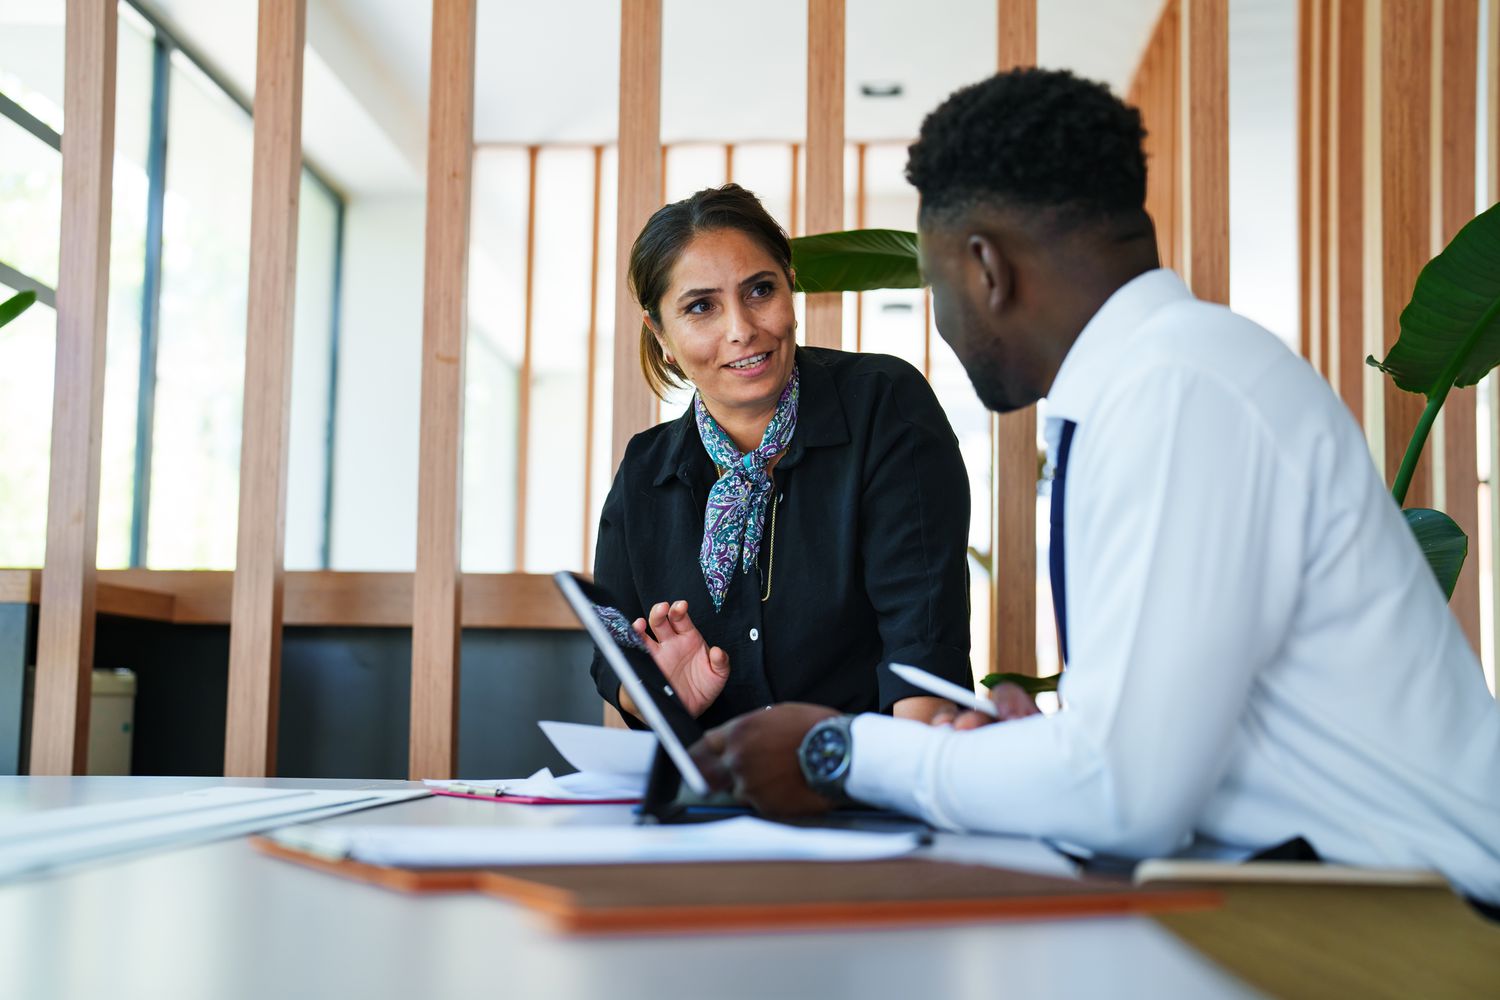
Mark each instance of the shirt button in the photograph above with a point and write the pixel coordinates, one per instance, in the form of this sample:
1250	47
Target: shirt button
754	634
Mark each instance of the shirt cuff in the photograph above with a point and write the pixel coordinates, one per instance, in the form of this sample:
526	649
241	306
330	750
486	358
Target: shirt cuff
888	759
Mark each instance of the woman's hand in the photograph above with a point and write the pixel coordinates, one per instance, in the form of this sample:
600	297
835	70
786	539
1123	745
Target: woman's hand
1011	702
696	672
925	708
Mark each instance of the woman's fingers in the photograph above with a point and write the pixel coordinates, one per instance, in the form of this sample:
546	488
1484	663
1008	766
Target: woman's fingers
1012	702
677	618
639	625
718	662
971	720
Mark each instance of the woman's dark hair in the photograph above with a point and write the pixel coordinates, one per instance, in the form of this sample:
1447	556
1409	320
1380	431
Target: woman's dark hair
1033	139
667	234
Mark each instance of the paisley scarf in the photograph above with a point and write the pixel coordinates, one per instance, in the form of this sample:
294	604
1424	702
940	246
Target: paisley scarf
736	512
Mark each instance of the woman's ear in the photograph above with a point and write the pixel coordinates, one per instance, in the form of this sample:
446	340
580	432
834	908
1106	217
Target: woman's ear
661	338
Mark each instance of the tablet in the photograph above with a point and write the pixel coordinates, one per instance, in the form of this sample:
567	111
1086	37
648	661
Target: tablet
623	650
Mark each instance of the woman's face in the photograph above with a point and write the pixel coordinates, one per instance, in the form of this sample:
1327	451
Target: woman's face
727	321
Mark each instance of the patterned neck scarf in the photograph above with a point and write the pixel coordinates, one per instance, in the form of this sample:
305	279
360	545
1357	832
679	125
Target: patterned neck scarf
736	512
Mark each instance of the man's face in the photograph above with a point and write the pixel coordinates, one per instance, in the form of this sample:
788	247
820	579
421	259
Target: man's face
976	321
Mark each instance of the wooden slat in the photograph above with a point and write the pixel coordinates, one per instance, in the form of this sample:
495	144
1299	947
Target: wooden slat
255	625
1205	147
825	154
590	402
433	750
523	402
1322	168
729	163
640	194
1490	135
1307	138
1155	91
1455	177
24	586
65	638
1347	202
1404	174
927	334
1013	454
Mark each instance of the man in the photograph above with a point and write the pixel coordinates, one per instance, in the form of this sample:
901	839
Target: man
1256	650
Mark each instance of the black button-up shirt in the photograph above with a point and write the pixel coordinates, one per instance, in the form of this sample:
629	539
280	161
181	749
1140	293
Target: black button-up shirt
864	565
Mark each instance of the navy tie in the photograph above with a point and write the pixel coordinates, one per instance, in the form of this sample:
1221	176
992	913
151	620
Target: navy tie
1055	547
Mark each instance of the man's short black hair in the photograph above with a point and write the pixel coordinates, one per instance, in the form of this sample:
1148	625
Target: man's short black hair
1034	139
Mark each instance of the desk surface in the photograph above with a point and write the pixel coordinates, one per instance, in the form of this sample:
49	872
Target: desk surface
220	920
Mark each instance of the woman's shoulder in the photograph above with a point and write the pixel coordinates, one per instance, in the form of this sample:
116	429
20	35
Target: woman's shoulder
847	365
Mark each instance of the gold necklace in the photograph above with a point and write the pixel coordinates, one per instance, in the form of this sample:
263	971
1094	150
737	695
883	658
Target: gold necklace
771	560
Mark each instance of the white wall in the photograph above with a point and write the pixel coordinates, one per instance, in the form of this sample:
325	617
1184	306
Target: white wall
379	387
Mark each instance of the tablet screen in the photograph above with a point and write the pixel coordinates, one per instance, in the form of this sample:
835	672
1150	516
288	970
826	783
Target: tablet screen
626	655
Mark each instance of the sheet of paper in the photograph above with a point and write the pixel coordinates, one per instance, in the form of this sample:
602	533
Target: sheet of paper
54	838
601	749
740	839
581	787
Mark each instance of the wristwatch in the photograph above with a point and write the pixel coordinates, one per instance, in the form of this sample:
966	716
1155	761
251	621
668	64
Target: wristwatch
826	754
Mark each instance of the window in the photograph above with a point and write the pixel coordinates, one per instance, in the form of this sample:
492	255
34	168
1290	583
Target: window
178	273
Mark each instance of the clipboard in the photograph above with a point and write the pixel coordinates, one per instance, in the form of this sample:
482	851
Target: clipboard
724	897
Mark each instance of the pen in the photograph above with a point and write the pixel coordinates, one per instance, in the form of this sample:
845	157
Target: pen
944	689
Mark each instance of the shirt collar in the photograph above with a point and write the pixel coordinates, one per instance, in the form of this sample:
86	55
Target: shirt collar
820	423
1094	356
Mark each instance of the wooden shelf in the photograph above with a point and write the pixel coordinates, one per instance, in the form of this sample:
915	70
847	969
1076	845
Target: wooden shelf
384	600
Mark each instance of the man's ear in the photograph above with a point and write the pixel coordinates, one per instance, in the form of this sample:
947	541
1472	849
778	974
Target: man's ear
991	270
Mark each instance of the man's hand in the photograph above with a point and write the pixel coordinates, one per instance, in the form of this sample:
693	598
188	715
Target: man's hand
1011	701
755	756
696	672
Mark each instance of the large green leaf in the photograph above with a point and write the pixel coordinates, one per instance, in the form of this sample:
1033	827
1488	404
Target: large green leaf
1450	331
860	260
1443	543
1031	685
15	306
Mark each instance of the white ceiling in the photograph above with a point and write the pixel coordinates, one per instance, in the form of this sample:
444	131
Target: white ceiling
548	72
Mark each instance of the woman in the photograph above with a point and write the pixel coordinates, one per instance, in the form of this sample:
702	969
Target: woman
810	509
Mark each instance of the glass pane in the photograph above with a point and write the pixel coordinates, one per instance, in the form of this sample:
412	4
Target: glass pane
30	203
26	359
559	360
497	316
127	263
312	342
603	471
31	57
201	352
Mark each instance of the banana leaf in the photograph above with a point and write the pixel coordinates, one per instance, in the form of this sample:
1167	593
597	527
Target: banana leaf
15	306
1443	543
1031	685
860	260
1450	331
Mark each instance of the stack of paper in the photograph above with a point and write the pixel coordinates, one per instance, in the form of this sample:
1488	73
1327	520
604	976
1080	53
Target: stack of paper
53	838
740	839
612	767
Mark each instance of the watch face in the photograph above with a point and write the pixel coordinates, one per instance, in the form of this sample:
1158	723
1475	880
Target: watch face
826	753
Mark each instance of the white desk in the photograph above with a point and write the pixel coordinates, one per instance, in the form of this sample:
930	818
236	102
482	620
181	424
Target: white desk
222	921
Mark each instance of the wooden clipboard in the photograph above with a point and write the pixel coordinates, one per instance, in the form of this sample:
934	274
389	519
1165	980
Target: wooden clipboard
697	898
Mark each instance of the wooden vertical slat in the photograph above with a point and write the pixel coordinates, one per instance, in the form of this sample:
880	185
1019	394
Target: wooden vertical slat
1491	137
860	213
1347	201
1307	139
1455	177
433	749
1322	236
927	334
825	153
255	616
1156	94
1403	173
65	637
523	401
729	163
1013	452
593	365
640	193
1205	147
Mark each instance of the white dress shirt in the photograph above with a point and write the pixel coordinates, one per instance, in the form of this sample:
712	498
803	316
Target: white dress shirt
1258	650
